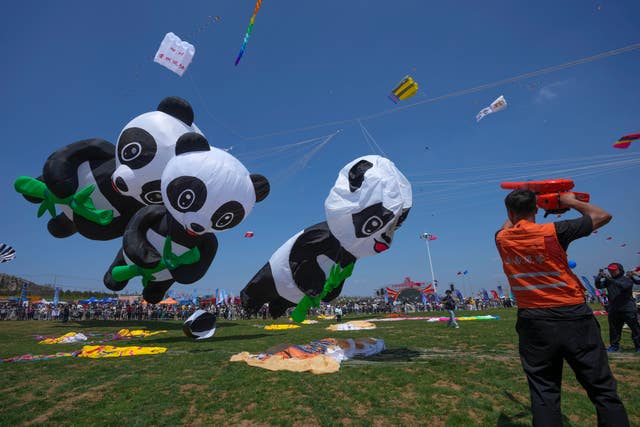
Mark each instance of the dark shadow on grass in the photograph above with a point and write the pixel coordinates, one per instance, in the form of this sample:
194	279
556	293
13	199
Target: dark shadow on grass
242	337
402	354
506	421
151	325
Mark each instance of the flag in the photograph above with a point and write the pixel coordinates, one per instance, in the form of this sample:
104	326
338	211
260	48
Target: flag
500	293
459	295
217	296
23	295
386	296
429	289
393	293
56	296
625	141
494	294
424	298
589	287
485	295
499	104
435	298
194	298
248	234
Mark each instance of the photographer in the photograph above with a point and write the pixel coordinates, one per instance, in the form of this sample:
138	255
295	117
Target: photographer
622	306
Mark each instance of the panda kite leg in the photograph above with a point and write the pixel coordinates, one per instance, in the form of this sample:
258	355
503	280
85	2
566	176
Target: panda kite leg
260	290
61	226
154	291
109	282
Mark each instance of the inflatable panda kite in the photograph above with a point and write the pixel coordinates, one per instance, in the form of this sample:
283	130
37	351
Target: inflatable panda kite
205	191
369	201
125	177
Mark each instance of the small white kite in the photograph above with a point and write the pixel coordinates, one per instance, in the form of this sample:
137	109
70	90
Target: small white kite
497	105
175	54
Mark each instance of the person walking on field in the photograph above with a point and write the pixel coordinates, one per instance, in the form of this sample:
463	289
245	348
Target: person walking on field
622	307
554	322
450	305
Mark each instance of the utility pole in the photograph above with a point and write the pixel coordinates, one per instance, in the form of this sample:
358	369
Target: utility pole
426	237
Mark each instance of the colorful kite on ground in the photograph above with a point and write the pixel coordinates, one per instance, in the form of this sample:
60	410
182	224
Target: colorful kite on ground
248	33
318	357
404	90
7	253
497	105
175	54
626	140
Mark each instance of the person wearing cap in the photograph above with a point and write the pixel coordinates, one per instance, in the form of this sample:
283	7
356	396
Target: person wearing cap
622	306
554	323
449	304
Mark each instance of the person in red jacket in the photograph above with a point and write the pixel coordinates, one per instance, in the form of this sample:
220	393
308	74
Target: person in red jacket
554	322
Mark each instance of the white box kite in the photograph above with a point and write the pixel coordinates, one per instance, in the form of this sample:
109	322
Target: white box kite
175	54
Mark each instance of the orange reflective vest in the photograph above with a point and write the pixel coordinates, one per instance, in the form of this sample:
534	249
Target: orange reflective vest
537	266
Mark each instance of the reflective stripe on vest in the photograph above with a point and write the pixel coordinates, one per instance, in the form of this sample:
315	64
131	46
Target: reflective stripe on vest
537	267
534	287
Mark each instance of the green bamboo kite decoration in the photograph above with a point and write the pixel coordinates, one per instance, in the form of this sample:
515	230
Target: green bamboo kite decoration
336	277
80	202
169	261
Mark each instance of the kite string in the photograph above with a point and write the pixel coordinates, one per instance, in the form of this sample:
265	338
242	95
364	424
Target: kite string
366	131
546	70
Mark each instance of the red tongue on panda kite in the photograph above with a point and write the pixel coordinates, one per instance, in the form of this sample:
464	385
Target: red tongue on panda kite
380	247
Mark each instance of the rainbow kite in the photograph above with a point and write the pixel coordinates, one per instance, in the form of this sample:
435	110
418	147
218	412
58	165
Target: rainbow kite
625	141
246	36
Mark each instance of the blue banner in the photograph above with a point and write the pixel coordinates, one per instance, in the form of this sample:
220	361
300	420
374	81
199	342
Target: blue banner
194	299
589	287
485	295
56	296
500	293
459	295
23	295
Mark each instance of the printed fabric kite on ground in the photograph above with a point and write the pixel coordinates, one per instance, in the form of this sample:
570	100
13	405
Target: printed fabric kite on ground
91	351
318	357
354	325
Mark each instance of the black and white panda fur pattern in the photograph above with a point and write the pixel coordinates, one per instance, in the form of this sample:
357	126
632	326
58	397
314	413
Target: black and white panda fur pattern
93	162
300	266
205	190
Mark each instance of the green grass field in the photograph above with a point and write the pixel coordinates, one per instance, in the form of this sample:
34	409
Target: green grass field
429	375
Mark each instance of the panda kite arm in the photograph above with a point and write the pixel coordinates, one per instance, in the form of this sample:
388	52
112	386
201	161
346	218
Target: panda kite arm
191	273
135	244
60	171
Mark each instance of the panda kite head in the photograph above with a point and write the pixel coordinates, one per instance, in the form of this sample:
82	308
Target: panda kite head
146	144
206	189
370	199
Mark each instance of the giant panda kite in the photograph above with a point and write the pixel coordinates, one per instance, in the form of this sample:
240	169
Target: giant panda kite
369	201
125	177
205	191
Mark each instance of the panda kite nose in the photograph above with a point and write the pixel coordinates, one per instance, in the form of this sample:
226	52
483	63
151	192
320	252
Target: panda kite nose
121	185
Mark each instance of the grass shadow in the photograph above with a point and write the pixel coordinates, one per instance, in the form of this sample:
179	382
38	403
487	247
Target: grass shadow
151	325
402	354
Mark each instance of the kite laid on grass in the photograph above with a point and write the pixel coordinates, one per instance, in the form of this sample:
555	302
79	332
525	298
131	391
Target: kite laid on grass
626	140
497	105
248	33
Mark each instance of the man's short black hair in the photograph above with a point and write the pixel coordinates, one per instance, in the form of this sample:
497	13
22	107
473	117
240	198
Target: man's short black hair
521	202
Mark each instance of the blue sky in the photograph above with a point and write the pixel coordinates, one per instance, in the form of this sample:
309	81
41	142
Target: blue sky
75	70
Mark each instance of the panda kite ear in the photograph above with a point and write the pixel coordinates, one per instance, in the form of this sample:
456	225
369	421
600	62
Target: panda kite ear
190	142
178	108
261	185
356	174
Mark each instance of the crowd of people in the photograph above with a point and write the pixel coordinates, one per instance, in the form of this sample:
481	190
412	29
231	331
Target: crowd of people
125	310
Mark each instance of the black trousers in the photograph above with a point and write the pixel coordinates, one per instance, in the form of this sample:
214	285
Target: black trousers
617	319
545	345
